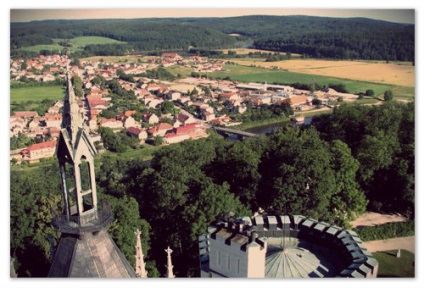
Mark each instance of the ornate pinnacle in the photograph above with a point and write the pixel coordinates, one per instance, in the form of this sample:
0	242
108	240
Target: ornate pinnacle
169	273
140	267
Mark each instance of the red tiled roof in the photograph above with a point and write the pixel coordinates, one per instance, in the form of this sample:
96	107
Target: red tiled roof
129	113
26	113
160	127
164	126
297	100
186	129
103	121
52	117
42	145
134	130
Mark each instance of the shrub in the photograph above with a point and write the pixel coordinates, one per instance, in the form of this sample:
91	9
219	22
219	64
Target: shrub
386	231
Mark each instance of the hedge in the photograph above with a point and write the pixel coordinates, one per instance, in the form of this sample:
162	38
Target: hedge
386	231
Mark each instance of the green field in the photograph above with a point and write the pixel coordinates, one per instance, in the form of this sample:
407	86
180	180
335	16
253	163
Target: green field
77	43
36	94
390	266
257	74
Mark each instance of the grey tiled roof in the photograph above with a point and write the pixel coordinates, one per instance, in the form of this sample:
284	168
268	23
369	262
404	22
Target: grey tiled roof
94	256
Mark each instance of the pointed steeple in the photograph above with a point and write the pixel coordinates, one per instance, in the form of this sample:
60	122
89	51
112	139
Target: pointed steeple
140	267
75	153
169	273
85	248
72	119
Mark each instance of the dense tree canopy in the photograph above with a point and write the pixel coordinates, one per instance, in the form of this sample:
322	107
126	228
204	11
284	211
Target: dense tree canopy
382	139
354	157
321	37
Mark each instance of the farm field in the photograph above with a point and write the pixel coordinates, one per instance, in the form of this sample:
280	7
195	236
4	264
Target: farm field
78	43
36	94
259	74
397	73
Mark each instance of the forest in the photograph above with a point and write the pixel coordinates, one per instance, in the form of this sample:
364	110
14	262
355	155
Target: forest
357	159
320	37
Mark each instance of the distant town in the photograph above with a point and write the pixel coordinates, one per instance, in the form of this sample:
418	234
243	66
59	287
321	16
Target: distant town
173	110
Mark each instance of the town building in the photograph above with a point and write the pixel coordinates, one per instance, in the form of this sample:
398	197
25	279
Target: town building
39	150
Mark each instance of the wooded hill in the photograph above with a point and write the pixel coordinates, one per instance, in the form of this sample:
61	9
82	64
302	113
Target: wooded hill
320	37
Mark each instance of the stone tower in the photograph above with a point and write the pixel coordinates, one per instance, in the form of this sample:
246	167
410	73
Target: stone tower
85	248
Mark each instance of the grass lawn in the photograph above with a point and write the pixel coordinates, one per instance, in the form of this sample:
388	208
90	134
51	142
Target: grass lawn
36	94
390	266
144	154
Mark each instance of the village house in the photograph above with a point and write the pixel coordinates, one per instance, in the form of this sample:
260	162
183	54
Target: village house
111	123
184	119
35	122
229	96
139	133
152	101
53	110
185	132
129	122
39	150
207	116
53	120
159	130
47	77
150	118
297	100
25	114
174	95
17	125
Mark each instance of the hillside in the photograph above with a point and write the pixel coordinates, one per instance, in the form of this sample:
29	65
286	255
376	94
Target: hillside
320	37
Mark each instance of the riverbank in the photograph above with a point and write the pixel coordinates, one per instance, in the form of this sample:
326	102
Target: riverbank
265	122
259	123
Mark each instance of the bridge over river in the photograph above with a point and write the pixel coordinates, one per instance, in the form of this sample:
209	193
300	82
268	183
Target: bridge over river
235	132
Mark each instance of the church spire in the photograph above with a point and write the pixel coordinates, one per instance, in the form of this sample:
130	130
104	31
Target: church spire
169	273
140	267
72	120
75	153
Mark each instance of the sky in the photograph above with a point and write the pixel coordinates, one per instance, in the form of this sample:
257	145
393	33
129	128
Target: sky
26	15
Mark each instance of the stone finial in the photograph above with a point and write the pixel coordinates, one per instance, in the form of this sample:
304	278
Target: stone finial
169	273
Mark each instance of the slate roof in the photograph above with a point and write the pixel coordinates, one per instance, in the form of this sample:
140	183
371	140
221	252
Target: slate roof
94	256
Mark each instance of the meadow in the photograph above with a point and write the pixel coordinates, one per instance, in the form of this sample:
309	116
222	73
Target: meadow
78	43
393	73
36	94
254	73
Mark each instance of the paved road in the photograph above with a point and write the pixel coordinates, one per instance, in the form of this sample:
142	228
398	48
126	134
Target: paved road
406	243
